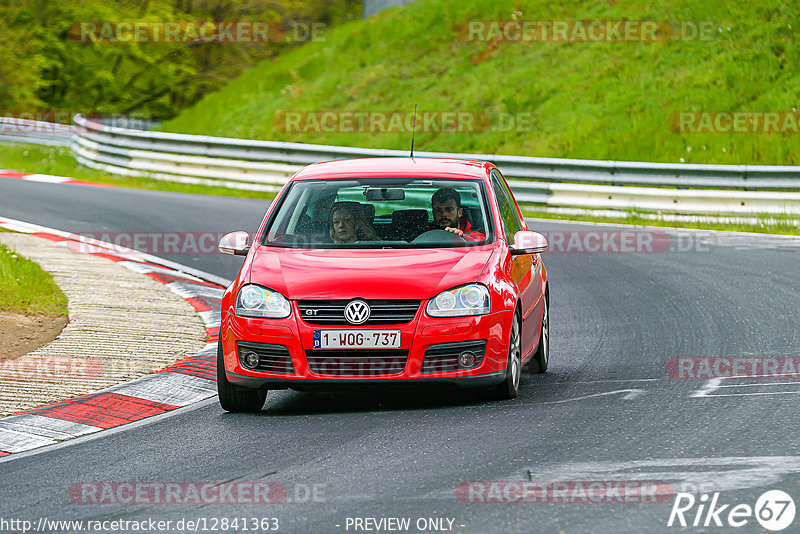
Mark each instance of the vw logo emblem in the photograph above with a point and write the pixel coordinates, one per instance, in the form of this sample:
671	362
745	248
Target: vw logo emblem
357	312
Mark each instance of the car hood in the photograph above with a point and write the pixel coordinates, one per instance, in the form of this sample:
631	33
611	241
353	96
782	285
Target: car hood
370	274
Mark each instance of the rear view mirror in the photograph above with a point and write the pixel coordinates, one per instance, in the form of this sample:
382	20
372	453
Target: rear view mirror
378	195
526	242
235	243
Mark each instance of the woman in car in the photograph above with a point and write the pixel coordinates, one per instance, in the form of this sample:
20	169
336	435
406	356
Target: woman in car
347	225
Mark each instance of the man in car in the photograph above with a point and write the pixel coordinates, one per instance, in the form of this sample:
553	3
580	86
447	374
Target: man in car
449	215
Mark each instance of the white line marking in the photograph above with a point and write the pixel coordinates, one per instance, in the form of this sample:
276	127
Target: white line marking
783	375
762	384
750	394
708	388
629	394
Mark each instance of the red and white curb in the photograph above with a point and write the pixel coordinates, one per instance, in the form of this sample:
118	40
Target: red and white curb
47	178
186	382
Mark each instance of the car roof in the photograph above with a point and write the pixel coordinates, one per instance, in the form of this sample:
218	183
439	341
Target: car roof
396	168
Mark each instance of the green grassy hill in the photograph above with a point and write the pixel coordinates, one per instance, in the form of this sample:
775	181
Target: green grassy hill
594	100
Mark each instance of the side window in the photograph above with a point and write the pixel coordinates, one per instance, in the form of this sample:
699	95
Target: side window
510	197
507	212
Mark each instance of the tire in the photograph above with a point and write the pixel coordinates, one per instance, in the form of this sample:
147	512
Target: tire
509	388
541	360
234	398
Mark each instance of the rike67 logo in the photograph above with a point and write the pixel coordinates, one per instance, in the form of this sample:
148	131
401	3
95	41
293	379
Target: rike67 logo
774	510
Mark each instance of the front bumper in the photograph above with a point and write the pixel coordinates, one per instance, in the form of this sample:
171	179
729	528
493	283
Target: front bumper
310	384
416	337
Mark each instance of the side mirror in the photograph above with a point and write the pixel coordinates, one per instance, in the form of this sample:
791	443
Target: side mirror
526	242
235	243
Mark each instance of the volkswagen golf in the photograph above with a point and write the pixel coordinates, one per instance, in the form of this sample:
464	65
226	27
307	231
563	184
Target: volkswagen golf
385	270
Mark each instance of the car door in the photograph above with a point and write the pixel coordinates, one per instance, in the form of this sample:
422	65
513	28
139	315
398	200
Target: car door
524	268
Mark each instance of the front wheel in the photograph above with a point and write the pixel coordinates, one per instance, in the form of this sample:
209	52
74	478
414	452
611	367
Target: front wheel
233	398
509	389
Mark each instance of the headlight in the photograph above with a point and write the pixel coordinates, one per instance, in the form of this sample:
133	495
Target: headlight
257	301
472	299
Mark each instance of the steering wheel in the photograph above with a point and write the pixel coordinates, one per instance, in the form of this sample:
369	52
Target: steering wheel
438	236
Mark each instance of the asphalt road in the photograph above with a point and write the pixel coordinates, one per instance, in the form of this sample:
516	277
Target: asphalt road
608	410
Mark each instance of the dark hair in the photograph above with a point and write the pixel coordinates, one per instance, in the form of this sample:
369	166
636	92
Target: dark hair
444	194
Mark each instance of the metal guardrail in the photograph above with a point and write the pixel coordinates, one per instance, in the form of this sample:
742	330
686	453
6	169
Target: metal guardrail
15	130
550	182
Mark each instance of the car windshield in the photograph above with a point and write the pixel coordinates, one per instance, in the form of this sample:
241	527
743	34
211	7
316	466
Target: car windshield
381	213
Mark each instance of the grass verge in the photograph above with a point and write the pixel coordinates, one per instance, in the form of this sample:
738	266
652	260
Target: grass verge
26	288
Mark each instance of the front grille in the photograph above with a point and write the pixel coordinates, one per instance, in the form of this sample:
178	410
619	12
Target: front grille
272	358
360	362
443	357
331	312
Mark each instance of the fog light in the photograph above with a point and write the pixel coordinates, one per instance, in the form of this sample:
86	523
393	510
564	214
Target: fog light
466	359
251	360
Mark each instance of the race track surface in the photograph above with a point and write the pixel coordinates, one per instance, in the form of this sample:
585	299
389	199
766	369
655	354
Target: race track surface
608	409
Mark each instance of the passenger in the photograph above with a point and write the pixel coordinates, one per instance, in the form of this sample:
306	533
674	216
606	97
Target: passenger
449	215
347	226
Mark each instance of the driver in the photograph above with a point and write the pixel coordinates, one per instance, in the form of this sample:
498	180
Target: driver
449	215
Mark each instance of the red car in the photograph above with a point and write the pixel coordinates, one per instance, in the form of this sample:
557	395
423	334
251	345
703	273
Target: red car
385	270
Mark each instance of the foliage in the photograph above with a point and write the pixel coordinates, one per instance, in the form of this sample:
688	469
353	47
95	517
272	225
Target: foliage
47	64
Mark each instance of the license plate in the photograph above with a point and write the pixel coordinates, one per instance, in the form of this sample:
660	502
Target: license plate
356	339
